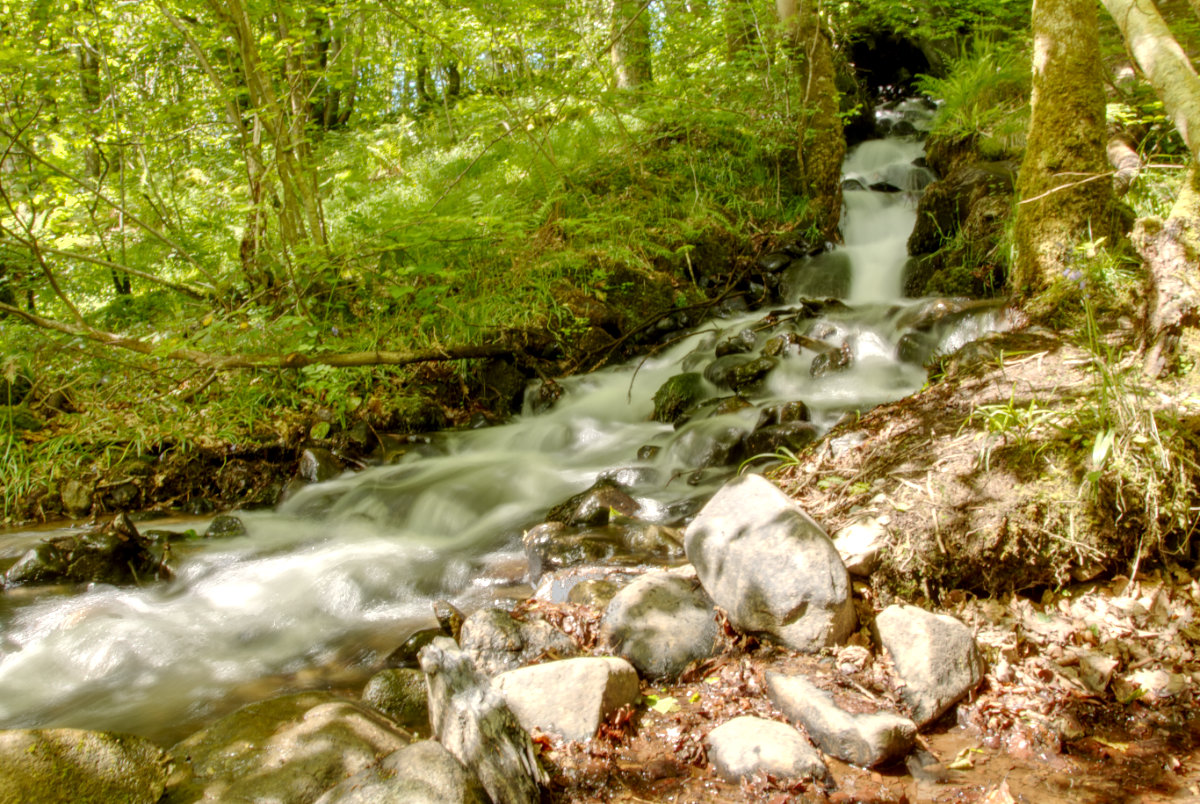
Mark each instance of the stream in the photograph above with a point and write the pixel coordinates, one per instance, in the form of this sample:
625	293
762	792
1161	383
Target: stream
320	590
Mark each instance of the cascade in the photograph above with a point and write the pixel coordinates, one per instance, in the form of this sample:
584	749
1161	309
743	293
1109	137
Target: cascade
318	590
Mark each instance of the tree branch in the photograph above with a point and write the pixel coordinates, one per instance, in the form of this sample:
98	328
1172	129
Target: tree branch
294	360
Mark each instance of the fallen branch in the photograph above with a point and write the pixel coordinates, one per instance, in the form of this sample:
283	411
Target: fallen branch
293	360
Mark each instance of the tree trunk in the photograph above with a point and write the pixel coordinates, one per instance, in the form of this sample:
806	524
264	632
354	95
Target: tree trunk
631	43
822	144
741	28
1066	195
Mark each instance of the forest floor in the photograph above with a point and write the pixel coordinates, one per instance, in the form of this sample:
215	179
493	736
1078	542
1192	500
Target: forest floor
981	486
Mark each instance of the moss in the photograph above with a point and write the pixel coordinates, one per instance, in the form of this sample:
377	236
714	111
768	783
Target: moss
677	395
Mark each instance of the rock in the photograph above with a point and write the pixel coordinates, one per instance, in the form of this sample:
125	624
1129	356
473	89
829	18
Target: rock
553	546
861	739
934	655
768	440
418	774
400	694
827	362
860	545
747	745
825	276
946	204
284	750
472	721
707	444
449	618
495	642
783	413
677	395
225	526
72	766
770	566
77	497
569	698
597	593
405	656
738	372
782	344
774	261
115	554
593	507
739	343
318	465
661	623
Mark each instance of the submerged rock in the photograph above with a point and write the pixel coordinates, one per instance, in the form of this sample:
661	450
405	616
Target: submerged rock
225	526
661	623
72	766
400	694
748	745
473	722
496	642
569	698
934	655
861	739
770	566
421	773
287	750
553	546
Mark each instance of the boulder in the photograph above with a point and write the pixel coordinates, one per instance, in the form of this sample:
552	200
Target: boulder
569	698
72	766
861	739
285	750
934	655
400	694
318	465
860	545
748	745
661	623
770	566
677	395
417	774
115	553
496	642
470	718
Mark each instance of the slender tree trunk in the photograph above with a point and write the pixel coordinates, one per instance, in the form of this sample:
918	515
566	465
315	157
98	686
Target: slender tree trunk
1064	186
741	28
822	143
631	43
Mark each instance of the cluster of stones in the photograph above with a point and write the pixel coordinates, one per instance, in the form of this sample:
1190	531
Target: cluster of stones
752	553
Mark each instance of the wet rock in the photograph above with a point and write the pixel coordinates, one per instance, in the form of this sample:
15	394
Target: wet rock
597	593
783	413
710	408
782	344
774	261
225	526
496	642
824	276
861	739
677	395
934	655
449	618
707	444
399	694
115	554
739	373
829	362
915	348
318	465
748	745
569	698
68	766
661	623
405	656
418	774
77	497
553	546
648	452
946	204
739	343
287	750
596	583
860	545
800	595
470	718
768	440
593	507
797	245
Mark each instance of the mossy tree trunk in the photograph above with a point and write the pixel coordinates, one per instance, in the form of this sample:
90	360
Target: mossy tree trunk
631	43
822	142
1063	185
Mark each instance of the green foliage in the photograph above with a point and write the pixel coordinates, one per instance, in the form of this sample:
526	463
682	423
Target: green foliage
984	97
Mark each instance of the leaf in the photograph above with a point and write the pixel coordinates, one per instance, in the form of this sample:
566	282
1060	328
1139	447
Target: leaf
1102	447
664	705
319	430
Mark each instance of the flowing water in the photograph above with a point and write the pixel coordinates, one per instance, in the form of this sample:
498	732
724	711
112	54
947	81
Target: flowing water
320	589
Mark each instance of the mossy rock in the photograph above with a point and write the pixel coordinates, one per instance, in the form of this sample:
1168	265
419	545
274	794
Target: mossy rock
677	395
401	695
417	414
73	766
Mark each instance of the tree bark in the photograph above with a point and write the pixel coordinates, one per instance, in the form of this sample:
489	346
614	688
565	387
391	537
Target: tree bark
631	43
1063	182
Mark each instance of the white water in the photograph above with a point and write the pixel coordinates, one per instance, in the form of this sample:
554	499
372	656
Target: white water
343	567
